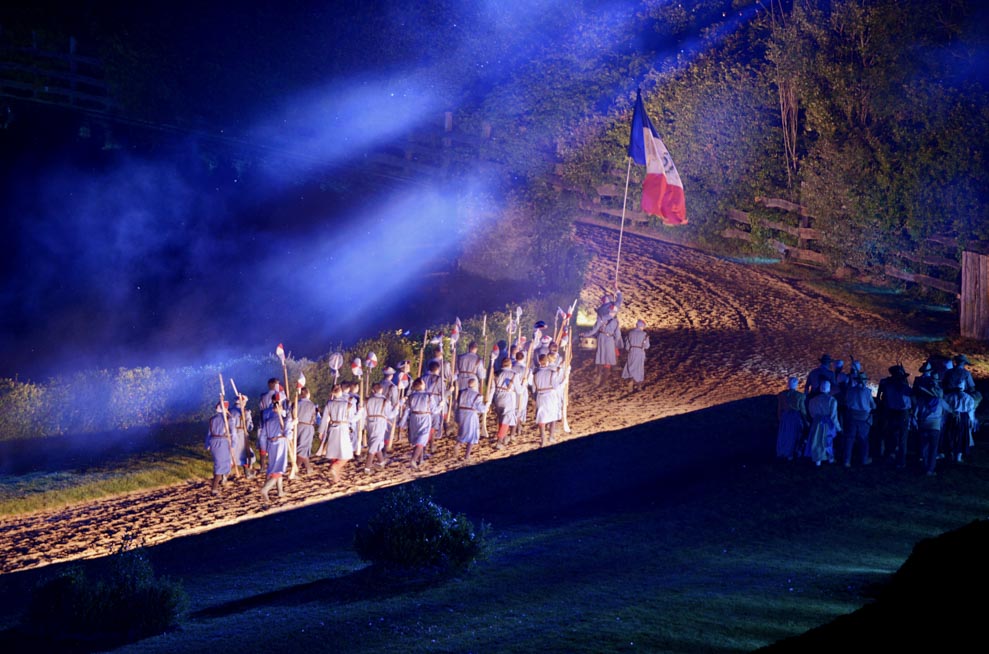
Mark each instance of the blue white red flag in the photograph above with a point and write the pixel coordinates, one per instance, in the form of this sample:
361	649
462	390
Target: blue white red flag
662	190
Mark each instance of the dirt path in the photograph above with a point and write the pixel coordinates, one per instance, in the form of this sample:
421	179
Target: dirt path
720	331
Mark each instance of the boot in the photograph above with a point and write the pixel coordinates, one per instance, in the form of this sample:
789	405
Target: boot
631	386
214	488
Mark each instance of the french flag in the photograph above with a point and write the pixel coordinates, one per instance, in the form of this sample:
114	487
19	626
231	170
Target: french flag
662	190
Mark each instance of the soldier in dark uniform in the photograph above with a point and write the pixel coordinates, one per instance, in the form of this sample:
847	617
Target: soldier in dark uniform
859	405
927	382
819	374
895	400
959	376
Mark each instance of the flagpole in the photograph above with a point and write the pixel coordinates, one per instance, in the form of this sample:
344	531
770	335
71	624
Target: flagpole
621	232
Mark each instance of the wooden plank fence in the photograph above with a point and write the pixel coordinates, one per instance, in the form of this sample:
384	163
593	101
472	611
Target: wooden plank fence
803	252
51	77
940	271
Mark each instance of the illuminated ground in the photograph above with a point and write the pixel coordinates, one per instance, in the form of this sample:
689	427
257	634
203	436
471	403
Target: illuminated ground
720	331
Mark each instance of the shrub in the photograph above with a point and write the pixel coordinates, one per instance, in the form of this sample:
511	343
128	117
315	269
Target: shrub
412	533
125	604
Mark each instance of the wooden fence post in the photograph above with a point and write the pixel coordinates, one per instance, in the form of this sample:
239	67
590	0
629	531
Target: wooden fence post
975	296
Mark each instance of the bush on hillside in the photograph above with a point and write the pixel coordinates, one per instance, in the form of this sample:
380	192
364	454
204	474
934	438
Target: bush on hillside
412	533
127	603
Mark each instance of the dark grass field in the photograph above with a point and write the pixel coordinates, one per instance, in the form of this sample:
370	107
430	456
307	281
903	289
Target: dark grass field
680	535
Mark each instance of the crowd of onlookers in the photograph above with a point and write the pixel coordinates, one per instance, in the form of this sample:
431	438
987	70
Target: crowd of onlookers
837	416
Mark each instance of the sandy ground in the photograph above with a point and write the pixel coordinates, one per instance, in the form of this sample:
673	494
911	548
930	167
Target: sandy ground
720	331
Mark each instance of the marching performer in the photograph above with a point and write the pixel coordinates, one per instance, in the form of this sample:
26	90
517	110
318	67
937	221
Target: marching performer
219	447
273	441
380	416
241	425
507	389
334	431
420	410
470	407
469	365
308	417
547	381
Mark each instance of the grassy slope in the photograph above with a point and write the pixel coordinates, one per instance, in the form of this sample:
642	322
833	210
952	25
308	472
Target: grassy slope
671	536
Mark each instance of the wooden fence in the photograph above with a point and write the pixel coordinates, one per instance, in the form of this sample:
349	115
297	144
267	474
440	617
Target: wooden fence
940	271
50	77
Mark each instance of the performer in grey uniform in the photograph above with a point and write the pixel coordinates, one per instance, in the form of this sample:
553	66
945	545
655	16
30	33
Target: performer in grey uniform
240	429
418	419
522	390
351	390
609	305
273	441
636	344
470	408
469	365
392	393
506	393
547	382
609	341
219	447
274	388
433	384
334	431
308	417
380	416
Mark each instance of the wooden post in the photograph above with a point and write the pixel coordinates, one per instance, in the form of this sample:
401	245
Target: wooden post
975	296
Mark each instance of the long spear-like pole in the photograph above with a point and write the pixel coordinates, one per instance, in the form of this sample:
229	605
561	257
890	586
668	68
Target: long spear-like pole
567	358
621	231
242	405
422	352
280	351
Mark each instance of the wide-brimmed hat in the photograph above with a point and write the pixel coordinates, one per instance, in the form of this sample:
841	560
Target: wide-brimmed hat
388	371
825	358
961	360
